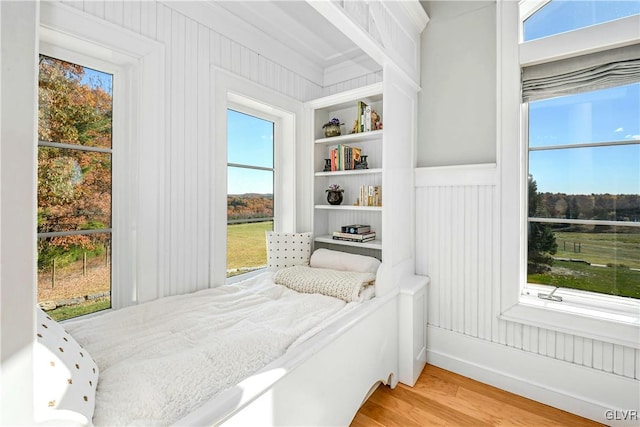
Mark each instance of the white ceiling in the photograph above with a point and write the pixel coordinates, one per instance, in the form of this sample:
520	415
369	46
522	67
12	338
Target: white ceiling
298	26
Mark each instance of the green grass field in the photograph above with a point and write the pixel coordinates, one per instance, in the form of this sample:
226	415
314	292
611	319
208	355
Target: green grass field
247	245
601	248
68	312
620	253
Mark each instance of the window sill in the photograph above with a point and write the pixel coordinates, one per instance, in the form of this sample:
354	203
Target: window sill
244	276
599	317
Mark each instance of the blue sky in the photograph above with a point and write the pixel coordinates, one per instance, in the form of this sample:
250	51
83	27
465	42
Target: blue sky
561	16
601	116
95	78
249	142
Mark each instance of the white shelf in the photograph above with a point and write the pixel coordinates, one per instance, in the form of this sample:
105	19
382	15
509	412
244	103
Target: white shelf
374	244
349	208
351	172
328	218
352	137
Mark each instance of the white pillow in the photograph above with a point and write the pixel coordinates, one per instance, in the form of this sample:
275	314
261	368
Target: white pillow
65	376
336	260
287	249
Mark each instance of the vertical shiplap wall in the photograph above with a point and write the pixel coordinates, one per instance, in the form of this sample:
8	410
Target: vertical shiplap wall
457	246
353	83
186	187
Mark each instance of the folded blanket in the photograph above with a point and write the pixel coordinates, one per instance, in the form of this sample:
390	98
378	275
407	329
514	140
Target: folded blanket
345	285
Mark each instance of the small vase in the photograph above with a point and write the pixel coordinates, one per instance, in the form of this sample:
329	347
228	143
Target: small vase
331	130
334	197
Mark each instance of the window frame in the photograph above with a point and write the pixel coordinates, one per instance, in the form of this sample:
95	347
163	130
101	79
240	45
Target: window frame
233	90
137	63
597	316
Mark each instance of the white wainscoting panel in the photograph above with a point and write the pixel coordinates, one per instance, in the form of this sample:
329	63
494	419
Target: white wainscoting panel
457	246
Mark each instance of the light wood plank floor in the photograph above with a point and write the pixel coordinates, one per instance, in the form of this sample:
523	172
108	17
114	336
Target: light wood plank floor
442	398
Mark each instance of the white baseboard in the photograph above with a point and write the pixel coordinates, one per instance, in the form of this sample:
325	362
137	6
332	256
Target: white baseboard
603	397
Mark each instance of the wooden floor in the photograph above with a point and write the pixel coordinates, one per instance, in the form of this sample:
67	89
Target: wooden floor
442	398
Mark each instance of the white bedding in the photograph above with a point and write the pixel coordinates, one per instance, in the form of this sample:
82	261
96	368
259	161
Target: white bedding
160	360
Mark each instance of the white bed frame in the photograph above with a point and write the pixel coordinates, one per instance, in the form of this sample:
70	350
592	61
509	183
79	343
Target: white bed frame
323	381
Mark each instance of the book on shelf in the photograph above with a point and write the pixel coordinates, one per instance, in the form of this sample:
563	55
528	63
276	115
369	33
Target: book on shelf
355	229
348	239
344	157
334	158
377	195
370	195
361	116
347	157
367	118
345	237
370	235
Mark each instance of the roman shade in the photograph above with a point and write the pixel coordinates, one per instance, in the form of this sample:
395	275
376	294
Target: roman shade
600	70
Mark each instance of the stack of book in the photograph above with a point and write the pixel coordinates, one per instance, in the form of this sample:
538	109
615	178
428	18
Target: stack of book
370	195
344	157
355	233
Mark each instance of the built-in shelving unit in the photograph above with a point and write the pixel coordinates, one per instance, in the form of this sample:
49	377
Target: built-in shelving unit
329	218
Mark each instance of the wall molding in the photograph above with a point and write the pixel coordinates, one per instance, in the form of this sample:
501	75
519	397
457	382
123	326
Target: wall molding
454	176
577	389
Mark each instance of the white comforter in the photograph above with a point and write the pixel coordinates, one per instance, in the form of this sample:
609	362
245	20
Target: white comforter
160	360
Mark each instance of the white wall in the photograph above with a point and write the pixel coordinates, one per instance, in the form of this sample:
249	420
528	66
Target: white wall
352	84
458	241
184	189
456	124
18	87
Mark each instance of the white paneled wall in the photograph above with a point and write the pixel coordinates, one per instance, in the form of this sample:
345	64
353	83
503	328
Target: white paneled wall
457	246
159	21
353	84
186	186
459	253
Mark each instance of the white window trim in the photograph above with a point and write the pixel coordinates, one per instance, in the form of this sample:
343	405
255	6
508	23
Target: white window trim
600	317
137	64
231	90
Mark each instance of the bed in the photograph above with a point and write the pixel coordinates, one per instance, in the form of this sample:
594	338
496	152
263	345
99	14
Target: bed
277	349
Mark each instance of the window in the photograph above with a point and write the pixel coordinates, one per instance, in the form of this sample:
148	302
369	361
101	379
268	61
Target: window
584	191
75	105
557	17
572	179
281	114
583	134
250	183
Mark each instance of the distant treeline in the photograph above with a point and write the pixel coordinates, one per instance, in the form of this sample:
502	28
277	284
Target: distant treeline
610	207
246	206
